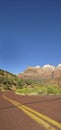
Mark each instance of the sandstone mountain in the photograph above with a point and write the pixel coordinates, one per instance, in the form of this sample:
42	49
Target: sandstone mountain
46	74
32	76
37	72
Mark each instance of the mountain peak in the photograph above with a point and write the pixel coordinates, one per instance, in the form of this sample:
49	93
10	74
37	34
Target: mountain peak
49	67
59	65
37	66
37	72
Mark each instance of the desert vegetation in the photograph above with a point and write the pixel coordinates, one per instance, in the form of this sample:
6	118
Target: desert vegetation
40	90
41	86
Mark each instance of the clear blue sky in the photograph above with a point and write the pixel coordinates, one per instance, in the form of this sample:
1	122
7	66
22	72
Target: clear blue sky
30	33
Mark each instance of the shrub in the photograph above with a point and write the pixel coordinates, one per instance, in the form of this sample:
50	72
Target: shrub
42	90
59	91
20	83
29	81
7	87
51	90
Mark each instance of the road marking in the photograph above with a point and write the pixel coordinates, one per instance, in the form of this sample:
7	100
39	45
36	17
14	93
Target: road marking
38	117
53	122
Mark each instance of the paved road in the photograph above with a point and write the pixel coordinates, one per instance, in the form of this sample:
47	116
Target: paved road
13	118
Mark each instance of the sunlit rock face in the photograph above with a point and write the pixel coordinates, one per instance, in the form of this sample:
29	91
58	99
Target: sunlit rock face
38	72
49	67
58	67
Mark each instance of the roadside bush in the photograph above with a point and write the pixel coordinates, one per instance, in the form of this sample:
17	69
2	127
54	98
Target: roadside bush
29	81
59	91
7	87
42	90
20	83
52	90
24	90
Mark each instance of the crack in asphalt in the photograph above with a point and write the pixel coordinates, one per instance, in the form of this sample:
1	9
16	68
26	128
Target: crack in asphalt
34	102
42	101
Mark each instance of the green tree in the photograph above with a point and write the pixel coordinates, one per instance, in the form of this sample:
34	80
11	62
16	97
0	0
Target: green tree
20	83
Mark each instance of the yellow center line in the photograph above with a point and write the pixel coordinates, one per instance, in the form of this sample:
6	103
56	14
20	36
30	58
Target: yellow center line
38	117
53	122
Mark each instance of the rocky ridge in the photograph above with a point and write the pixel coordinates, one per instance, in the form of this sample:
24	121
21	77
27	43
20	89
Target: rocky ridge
37	72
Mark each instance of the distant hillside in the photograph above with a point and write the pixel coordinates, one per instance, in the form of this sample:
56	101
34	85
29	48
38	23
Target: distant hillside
7	80
47	74
32	77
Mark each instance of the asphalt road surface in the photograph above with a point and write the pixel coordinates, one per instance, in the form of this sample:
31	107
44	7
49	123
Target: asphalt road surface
29	112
